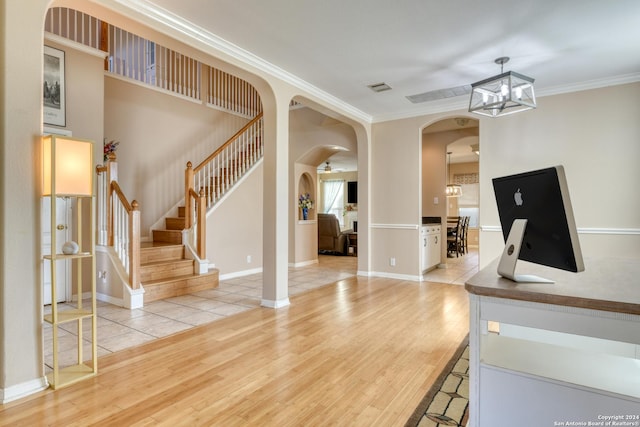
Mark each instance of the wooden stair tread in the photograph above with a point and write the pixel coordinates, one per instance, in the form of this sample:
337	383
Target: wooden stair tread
155	245
160	263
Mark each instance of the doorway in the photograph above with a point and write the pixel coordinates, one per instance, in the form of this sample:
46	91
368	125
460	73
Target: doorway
450	156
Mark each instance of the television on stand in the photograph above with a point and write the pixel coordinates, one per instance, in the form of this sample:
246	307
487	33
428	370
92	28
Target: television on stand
537	223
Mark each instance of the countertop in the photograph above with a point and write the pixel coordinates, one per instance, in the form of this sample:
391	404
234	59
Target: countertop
430	220
609	284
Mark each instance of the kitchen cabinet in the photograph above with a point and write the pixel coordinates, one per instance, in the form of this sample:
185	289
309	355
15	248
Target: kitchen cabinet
430	237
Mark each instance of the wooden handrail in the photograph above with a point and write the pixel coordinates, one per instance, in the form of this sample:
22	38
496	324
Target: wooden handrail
132	211
127	206
199	209
229	141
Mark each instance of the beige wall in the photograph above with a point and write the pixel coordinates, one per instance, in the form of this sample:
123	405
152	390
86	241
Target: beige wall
595	135
396	204
234	228
84	79
158	135
21	352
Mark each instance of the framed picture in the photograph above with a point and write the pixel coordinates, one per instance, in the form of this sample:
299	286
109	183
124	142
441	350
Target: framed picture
54	87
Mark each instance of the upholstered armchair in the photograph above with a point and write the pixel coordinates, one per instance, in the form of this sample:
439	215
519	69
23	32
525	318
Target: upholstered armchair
330	238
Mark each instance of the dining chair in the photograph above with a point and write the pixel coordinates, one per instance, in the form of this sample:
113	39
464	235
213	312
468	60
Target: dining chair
454	232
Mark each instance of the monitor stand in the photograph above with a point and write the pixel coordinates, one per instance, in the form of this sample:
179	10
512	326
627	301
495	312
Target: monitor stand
507	265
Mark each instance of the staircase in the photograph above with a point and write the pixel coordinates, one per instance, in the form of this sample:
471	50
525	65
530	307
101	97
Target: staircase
164	270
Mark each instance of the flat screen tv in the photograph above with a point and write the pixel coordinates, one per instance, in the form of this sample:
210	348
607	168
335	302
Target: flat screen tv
537	222
352	192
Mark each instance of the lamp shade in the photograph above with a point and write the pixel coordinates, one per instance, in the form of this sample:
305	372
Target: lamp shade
67	166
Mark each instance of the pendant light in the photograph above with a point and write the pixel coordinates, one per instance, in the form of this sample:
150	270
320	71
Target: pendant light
452	190
506	93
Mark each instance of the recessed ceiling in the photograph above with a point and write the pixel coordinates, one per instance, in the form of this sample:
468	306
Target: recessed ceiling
418	46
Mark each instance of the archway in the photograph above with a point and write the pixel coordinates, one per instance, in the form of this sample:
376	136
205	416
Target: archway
450	155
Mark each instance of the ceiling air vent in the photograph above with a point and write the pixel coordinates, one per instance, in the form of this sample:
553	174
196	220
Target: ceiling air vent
434	95
379	87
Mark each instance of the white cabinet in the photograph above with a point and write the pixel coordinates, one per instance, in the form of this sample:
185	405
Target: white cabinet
545	354
430	236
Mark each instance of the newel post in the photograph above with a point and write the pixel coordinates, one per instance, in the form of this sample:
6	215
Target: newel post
134	245
202	221
188	209
112	175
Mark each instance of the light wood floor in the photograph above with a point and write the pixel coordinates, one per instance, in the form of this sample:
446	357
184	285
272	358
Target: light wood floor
360	352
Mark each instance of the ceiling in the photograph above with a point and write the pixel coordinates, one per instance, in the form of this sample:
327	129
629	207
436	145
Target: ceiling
340	47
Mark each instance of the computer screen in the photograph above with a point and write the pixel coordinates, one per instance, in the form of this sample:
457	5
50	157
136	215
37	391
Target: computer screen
536	209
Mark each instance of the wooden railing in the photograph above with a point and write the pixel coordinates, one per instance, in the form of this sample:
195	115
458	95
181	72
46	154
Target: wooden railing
145	61
199	220
118	221
222	169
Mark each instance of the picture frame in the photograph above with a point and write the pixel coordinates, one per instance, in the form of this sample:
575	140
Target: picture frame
53	91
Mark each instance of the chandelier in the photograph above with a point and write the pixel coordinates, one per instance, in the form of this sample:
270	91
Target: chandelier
506	93
452	190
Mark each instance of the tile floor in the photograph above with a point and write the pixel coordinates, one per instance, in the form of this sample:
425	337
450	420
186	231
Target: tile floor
120	328
458	269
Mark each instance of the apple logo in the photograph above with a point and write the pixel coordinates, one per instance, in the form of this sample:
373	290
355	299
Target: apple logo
518	198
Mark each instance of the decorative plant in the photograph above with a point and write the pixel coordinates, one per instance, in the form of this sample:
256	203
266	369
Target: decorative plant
304	201
109	147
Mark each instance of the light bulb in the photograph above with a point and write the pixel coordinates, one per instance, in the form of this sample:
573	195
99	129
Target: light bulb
519	92
504	90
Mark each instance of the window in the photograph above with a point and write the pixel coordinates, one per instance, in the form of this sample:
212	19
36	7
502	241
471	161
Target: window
333	198
468	203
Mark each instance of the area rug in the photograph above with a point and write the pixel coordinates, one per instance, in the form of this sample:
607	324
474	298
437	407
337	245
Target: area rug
447	401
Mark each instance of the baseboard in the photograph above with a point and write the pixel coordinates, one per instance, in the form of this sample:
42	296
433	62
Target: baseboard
18	391
275	303
303	263
395	276
111	300
239	274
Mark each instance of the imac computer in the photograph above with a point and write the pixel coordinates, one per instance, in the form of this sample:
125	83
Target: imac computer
537	223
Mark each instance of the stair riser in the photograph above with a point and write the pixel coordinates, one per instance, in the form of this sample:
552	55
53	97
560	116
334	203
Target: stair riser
169	253
174	223
167	236
154	292
165	271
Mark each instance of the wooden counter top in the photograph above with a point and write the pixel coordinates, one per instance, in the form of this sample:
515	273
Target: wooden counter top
609	284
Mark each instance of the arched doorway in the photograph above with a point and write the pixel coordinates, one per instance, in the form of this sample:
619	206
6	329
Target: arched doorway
450	150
